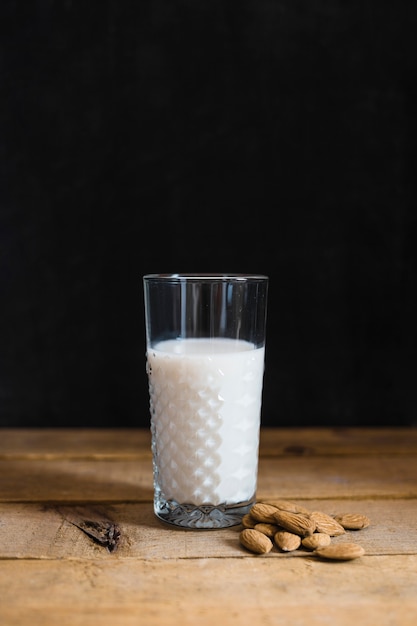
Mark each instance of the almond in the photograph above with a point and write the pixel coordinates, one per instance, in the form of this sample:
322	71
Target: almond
263	512
287	505
287	542
327	524
352	521
267	529
248	521
297	523
340	551
316	540
255	541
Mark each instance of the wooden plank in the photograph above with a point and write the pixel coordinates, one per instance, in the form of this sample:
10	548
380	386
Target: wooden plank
50	532
52	571
131	480
337	441
331	477
76	480
133	443
77	443
371	590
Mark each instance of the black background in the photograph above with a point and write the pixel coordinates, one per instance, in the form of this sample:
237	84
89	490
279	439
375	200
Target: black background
262	136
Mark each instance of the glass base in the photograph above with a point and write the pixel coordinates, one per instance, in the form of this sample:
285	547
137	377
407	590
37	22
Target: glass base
205	516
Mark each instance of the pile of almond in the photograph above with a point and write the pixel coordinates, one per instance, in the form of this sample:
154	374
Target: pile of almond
289	526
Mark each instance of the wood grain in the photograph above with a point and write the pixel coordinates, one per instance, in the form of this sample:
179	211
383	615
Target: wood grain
98	480
49	443
51	532
253	590
54	483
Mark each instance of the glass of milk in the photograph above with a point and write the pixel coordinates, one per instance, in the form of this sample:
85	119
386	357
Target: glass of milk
205	357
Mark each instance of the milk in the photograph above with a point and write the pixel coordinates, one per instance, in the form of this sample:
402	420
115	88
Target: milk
205	400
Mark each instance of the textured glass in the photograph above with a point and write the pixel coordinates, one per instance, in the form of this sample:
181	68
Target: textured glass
205	389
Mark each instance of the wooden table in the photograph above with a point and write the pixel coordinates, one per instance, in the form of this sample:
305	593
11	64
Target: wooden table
53	573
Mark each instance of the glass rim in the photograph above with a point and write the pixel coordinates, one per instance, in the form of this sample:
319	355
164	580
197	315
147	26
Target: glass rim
188	277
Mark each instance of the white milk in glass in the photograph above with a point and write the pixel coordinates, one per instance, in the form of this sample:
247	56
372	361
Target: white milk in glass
205	399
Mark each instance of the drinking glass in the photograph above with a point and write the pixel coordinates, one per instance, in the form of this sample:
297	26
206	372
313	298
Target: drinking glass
205	356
